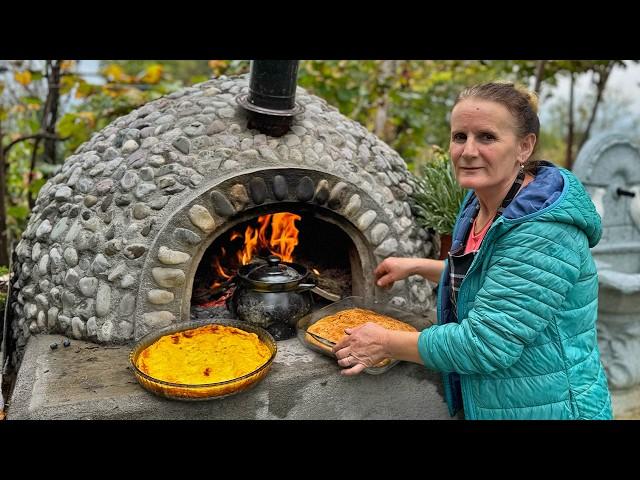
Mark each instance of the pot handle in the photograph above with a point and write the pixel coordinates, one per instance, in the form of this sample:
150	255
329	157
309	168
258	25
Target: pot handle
303	287
327	295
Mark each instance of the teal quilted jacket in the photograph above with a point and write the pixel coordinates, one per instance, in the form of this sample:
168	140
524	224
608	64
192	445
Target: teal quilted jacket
526	345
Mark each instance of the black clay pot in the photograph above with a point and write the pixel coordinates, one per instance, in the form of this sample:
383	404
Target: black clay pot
273	296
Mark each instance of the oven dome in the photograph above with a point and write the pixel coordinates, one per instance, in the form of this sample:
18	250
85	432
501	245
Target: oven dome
117	231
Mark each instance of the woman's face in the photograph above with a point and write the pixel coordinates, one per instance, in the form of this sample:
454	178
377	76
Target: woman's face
484	148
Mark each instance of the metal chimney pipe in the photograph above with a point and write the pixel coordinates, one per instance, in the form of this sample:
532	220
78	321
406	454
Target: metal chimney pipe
270	102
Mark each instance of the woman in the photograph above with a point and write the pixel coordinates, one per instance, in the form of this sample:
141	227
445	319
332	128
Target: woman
517	303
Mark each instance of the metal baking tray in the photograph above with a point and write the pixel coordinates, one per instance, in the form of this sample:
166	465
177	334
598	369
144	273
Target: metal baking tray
306	338
179	391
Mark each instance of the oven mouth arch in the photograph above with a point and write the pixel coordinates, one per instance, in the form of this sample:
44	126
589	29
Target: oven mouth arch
325	196
359	254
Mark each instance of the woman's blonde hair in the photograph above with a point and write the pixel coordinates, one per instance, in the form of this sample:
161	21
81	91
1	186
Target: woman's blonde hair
521	103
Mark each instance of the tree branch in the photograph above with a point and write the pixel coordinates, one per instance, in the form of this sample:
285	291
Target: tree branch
570	139
603	76
540	64
32	166
39	135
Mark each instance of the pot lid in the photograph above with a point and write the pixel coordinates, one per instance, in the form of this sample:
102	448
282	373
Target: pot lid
274	272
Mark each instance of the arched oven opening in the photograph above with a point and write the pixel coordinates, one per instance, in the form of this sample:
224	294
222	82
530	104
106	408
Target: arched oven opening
298	234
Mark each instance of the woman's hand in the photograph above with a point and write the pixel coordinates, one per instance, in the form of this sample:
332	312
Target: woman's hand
361	348
392	269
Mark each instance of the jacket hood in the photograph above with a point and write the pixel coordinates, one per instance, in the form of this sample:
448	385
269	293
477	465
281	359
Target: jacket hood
554	195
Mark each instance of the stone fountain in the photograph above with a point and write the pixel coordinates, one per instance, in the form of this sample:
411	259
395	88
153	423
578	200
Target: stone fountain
609	167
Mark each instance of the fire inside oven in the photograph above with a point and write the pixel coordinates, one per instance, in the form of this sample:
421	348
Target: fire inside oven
300	238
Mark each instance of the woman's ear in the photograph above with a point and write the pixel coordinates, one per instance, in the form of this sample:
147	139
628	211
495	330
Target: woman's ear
527	144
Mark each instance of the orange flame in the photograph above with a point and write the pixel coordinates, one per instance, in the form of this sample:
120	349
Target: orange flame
283	240
284	235
219	270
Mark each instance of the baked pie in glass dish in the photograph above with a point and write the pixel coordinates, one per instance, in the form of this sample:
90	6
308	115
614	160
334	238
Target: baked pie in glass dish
322	329
203	361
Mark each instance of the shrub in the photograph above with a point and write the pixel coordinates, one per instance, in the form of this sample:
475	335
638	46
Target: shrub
438	195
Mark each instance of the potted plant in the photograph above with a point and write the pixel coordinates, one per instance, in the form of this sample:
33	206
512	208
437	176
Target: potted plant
438	197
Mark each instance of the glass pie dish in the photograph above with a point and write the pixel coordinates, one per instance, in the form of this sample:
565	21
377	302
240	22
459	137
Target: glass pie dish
185	391
324	346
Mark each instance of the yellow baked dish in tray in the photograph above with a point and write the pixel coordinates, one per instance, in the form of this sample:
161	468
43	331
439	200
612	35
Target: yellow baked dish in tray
196	361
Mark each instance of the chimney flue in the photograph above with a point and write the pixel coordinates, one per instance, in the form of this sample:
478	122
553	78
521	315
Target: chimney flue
270	102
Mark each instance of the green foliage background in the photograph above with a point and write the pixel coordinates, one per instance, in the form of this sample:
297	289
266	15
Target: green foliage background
405	102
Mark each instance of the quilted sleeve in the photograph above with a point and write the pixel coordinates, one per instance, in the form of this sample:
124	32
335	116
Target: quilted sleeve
530	272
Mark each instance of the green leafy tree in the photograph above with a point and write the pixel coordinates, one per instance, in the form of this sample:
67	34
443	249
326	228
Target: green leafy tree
599	71
182	72
405	102
47	109
29	101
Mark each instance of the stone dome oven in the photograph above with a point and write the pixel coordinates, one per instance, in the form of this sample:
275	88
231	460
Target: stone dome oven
117	237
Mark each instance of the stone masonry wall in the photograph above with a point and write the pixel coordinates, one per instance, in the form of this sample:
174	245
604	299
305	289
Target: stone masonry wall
115	234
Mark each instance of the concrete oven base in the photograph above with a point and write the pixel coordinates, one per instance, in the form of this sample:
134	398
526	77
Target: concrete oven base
89	381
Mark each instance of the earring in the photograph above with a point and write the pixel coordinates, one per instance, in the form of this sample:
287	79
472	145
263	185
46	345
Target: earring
522	166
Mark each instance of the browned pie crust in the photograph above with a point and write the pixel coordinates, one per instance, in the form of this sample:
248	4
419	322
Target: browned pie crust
332	327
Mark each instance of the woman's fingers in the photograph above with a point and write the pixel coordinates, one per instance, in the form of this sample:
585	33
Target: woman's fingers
340	353
344	341
385	281
347	361
340	345
382	273
355	370
382	268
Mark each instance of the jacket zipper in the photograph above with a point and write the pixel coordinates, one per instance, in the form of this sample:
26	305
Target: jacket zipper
467	401
445	376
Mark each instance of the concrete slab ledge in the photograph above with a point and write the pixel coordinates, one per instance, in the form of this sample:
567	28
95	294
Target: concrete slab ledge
93	382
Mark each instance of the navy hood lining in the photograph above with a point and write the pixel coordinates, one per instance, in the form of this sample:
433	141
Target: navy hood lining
544	190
